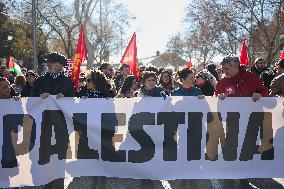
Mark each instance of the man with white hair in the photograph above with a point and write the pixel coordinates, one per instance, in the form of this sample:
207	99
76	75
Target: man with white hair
238	82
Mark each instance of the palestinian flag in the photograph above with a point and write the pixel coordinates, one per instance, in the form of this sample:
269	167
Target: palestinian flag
13	66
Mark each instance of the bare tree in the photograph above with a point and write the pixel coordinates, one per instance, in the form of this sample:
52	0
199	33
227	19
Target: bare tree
61	21
104	29
221	26
177	45
104	22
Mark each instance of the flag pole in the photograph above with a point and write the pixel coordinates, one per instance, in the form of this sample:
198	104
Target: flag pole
34	34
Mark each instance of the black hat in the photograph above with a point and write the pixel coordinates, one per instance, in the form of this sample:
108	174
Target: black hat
57	57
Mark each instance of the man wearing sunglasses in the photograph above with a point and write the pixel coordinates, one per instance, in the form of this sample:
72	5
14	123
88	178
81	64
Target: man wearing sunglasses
239	82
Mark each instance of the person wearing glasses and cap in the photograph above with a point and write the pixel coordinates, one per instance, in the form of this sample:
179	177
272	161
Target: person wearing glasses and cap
31	76
54	82
238	82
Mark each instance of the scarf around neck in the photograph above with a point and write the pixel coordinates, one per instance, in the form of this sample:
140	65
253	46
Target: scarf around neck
157	92
55	75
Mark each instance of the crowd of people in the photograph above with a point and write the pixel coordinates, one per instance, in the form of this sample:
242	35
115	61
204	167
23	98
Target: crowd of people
106	82
235	80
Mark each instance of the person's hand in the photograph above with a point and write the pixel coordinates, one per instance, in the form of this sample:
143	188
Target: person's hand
44	95
16	98
60	95
222	96
201	96
256	96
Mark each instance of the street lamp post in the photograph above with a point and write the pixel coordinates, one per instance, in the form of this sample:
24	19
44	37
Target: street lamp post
9	45
34	34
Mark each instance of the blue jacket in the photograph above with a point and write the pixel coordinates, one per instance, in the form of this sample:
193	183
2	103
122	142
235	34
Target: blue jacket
194	91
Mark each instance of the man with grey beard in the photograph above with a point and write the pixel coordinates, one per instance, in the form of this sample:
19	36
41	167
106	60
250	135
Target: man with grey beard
54	82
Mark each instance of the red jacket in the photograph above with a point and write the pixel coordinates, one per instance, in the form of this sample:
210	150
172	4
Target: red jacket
244	84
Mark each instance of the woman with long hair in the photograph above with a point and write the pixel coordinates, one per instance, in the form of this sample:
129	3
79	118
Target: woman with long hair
20	83
98	86
128	88
166	82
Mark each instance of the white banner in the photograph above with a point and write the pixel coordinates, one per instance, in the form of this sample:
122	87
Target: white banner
149	138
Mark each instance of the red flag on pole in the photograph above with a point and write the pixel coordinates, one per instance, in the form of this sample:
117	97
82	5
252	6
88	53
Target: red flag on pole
244	55
189	64
282	55
80	57
130	57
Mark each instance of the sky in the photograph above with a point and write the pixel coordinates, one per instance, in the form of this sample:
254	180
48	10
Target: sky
156	21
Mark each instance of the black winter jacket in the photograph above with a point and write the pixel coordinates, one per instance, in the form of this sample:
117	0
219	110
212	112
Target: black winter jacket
53	86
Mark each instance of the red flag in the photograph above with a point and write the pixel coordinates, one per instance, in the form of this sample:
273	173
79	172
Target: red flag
189	64
80	56
282	55
130	57
11	64
244	55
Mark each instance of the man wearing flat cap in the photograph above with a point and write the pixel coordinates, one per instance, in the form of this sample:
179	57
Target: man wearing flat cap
54	82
